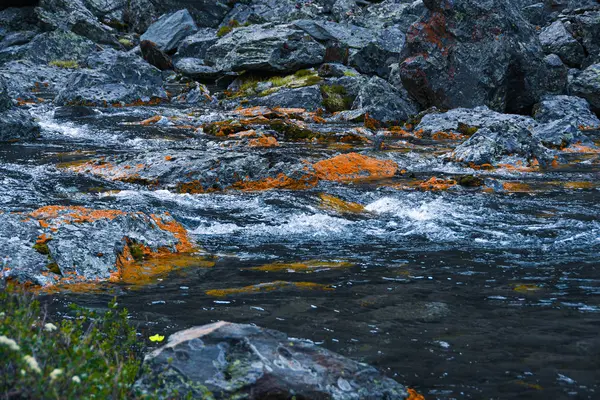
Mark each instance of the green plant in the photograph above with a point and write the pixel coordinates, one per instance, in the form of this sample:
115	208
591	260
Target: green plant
224	30
67	64
126	42
350	73
335	98
91	355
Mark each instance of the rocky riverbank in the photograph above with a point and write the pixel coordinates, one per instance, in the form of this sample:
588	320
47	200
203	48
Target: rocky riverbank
144	139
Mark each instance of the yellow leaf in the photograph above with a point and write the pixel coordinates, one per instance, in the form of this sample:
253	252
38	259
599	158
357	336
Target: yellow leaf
157	338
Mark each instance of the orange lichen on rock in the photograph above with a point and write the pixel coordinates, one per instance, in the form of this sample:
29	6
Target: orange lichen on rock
167	223
305	266
148	270
413	395
353	166
127	173
580	185
267	287
258	111
150	121
281	181
72	214
447	136
336	204
435	184
517	187
264	141
580	148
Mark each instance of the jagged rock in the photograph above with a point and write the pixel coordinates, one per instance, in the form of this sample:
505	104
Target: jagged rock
5	101
377	56
44	48
308	97
25	79
383	102
389	13
574	109
196	94
83	245
556	39
334	70
196	69
465	119
268	47
224	360
117	78
170	29
72	15
262	11
16	39
18	19
557	75
351	35
111	10
464	54
587	85
560	134
155	56
195	46
502	140
586	29
15	124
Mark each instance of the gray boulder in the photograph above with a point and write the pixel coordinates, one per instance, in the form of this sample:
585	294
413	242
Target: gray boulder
556	39
195	68
467	53
224	360
574	109
195	46
383	102
15	124
117	77
72	15
502	141
557	75
587	85
377	57
170	30
560	134
278	48
585	26
351	35
5	100
280	11
308	97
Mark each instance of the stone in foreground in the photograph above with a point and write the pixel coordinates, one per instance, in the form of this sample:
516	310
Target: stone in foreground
225	360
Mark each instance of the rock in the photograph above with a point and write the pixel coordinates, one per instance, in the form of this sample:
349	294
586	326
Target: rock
170	30
536	14
308	97
196	94
383	102
140	15
377	56
18	19
571	108
334	70
280	11
117	79
225	360
464	55
379	15
587	85
195	68
107	10
279	48
470	120
155	56
350	35
557	75
196	45
27	80
556	39
72	15
16	39
354	167
560	134
16	125
502	141
51	46
68	112
57	244
585	26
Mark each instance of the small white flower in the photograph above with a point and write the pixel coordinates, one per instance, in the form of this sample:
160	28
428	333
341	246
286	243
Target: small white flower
10	343
76	379
50	327
32	364
2	314
55	374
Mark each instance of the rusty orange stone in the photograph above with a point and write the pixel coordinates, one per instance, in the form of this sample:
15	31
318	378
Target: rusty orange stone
354	166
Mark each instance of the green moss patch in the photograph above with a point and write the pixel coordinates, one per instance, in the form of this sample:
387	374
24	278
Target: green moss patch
335	98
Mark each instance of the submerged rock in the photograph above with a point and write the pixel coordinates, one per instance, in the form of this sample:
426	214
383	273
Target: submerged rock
224	360
57	244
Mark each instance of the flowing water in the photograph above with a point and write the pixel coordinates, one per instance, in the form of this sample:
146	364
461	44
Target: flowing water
460	293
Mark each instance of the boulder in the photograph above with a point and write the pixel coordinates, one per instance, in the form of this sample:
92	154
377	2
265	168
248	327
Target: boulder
16	125
107	10
383	102
560	134
28	80
351	35
376	57
308	97
587	85
58	244
556	39
572	108
5	100
585	26
196	69
155	56
557	75
72	15
225	360
503	142
280	11
389	13
196	45
267	47
170	29
465	53
117	78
